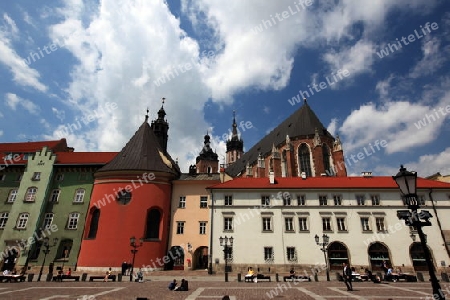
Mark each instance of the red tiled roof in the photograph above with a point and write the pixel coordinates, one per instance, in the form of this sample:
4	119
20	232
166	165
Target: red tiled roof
376	182
27	147
70	158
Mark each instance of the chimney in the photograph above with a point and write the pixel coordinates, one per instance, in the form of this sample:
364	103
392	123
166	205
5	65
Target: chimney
271	177
366	174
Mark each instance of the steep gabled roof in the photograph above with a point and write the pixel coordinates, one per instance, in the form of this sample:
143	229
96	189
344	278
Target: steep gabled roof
143	152
322	183
301	123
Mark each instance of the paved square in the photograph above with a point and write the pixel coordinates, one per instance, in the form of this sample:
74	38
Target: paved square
204	289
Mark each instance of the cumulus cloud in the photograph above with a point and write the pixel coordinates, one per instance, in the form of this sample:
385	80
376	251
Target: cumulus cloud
12	101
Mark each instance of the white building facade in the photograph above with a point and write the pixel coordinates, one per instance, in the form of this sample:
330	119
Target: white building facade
274	222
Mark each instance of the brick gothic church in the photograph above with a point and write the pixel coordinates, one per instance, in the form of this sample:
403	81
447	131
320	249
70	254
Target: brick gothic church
298	147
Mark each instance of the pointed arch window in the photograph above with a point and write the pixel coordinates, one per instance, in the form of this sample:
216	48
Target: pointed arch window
304	159
153	223
326	159
93	226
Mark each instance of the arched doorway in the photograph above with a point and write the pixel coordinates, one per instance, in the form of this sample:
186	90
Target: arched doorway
176	259
378	253
337	254
418	257
200	258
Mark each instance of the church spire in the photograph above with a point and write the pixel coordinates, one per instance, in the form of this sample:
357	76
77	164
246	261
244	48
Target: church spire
235	145
160	127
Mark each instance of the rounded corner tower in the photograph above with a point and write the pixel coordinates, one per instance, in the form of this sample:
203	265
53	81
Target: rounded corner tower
131	198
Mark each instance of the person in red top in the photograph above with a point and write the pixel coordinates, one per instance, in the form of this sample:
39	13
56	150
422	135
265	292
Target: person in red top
69	272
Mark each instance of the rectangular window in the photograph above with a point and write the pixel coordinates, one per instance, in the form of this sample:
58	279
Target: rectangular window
83	176
268	254
2	177
59	177
421	199
203	227
301	200
36	176
289	224
182	202
3	219
228	224
203	201
22	221
265	200
360	200
365	224
337	199
79	195
180	227
228	200
326	224
375	200
290	254
341	224
19	177
12	196
48	220
303	224
72	223
30	196
380	224
286	199
323	200
55	195
267	223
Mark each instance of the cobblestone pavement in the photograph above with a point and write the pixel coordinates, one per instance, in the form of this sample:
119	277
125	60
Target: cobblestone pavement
209	289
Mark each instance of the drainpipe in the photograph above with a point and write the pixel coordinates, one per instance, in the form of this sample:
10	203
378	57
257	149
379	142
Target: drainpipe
211	235
439	223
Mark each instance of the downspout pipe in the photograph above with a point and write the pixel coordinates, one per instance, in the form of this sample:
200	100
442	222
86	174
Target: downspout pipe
439	222
210	271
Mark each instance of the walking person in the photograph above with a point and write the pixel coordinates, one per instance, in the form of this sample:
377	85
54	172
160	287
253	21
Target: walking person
347	275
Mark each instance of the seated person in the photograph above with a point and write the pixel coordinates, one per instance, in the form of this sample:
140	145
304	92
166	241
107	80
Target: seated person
373	278
107	274
183	286
172	285
140	276
250	273
69	272
292	273
389	274
6	272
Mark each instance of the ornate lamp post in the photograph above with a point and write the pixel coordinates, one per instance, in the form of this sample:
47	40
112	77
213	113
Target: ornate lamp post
407	182
323	246
227	244
46	251
134	251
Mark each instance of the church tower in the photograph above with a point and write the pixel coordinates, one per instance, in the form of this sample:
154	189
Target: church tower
161	128
235	145
207	161
131	198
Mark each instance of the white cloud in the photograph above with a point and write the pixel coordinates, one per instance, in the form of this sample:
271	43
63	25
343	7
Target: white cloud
22	74
332	127
60	114
12	100
402	131
433	58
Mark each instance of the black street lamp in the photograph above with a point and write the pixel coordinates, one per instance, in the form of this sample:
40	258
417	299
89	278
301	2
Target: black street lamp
134	251
46	251
407	182
227	244
323	246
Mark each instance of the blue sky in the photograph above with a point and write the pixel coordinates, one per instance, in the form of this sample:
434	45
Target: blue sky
371	70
